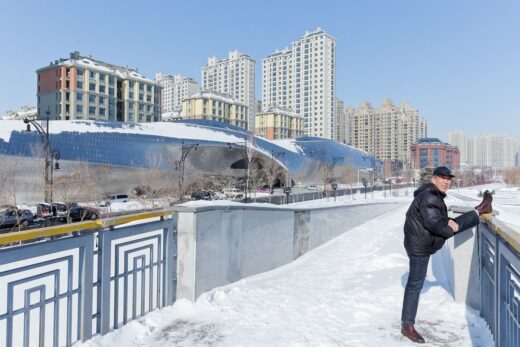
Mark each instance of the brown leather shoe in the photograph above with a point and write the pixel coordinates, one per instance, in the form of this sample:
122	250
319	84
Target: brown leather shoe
485	206
409	331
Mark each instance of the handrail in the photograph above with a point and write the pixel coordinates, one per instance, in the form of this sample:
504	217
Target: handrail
511	236
105	223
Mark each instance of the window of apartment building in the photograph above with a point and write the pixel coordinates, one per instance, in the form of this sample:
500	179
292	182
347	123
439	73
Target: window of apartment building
102	111
141	87
92	87
91	98
111	91
102	77
101	100
79	96
111	80
131	84
131	106
92	74
79	84
79	108
102	89
92	110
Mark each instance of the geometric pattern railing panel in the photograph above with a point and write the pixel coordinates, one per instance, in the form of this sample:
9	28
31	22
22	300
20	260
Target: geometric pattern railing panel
137	272
46	293
55	293
509	289
488	273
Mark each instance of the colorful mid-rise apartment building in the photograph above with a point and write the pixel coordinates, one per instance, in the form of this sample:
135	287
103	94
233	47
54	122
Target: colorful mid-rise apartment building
431	152
85	88
215	106
275	124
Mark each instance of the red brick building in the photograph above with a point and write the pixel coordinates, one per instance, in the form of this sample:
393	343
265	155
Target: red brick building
431	152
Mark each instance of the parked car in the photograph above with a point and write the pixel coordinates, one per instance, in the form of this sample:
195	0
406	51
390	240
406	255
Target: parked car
233	193
60	211
81	213
201	195
217	195
13	216
113	198
44	210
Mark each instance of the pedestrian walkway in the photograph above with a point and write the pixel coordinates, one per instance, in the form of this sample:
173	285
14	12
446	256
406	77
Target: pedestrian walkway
347	292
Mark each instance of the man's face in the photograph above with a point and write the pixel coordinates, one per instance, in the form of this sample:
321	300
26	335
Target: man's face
442	183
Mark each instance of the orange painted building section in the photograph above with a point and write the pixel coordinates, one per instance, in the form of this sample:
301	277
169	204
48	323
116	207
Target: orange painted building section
47	80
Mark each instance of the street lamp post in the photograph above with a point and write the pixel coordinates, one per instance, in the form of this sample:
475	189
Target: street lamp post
50	156
179	165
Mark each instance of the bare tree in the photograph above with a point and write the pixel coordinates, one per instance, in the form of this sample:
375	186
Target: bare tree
347	175
258	177
152	180
78	185
8	187
273	172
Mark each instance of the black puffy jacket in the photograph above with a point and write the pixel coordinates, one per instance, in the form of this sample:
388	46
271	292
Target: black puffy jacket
426	226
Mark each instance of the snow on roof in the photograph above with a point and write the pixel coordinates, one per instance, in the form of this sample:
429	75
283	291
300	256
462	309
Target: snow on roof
166	129
289	145
119	71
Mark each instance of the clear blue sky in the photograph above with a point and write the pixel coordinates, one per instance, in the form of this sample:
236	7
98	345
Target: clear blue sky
457	61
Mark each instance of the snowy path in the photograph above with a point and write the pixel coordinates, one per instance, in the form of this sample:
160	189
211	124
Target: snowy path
347	292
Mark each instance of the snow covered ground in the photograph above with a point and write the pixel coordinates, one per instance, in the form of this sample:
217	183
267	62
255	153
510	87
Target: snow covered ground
347	292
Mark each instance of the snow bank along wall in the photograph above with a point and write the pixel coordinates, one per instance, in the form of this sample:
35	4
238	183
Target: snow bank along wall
217	245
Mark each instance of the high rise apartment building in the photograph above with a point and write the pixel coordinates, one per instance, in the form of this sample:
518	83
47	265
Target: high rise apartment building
340	133
495	151
175	89
387	131
235	77
85	88
303	79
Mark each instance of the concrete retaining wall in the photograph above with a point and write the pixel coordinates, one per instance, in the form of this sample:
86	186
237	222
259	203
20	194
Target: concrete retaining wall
218	245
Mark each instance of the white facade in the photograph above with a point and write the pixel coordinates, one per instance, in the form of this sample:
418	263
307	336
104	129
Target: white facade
496	151
175	89
303	79
235	77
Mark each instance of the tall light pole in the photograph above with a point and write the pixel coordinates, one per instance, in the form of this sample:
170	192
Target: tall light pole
179	165
50	155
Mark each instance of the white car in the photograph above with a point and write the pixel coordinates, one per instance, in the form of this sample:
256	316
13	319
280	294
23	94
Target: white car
233	193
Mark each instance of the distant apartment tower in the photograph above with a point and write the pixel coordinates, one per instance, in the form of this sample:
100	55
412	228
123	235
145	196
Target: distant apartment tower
275	124
85	88
457	138
175	89
432	152
234	76
495	151
303	79
215	106
340	134
387	131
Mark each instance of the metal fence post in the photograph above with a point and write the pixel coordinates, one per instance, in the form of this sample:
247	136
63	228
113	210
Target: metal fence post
87	264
